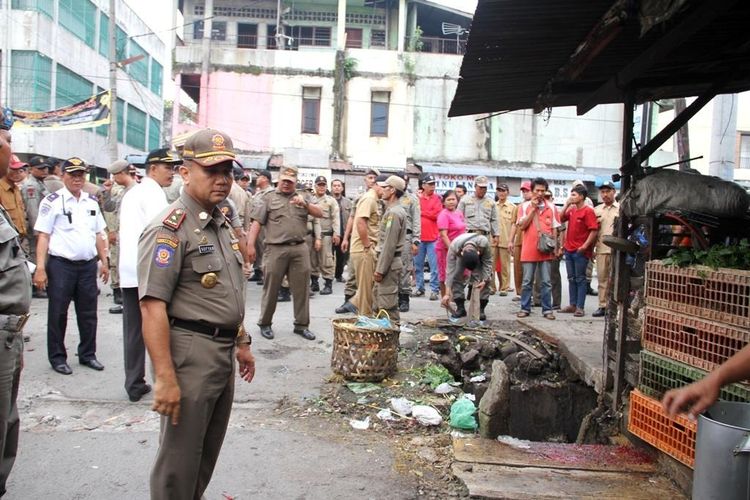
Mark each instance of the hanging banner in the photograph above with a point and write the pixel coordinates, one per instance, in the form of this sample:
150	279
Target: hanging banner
92	112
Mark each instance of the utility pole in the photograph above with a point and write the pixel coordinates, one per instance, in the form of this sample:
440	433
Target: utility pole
112	82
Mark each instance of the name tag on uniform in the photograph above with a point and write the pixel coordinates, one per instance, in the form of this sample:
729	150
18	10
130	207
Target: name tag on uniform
209	248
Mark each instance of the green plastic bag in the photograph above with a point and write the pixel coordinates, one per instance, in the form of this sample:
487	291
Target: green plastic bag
462	415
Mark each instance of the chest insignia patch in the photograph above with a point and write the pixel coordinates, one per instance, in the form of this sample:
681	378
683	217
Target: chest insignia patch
204	249
163	255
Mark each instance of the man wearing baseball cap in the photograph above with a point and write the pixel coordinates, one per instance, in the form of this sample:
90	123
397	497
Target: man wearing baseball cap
192	299
606	213
10	194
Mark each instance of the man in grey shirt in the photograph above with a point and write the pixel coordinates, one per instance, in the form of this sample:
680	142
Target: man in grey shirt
472	252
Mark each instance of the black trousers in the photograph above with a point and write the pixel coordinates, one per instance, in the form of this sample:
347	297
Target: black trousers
134	351
71	280
341	259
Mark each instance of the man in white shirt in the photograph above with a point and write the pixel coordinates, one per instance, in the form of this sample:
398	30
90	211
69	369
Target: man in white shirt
71	230
138	207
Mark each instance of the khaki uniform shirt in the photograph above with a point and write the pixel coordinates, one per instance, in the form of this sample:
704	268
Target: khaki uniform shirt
110	204
283	222
480	214
191	260
243	202
313	227
10	199
258	198
410	204
369	208
331	219
507	213
606	216
15	277
391	238
33	192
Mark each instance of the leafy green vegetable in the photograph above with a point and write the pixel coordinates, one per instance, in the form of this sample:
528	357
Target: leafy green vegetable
435	375
732	256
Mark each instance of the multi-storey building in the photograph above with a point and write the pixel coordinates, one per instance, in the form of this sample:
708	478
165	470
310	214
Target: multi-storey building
56	53
347	84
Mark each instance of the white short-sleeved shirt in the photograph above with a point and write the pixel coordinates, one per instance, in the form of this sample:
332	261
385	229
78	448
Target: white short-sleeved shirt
138	207
72	224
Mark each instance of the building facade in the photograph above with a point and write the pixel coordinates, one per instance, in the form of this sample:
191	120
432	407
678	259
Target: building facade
56	53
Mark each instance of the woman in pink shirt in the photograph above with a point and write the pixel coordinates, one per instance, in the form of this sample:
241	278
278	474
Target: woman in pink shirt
450	223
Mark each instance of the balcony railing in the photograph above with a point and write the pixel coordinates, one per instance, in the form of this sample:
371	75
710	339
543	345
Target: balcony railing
436	45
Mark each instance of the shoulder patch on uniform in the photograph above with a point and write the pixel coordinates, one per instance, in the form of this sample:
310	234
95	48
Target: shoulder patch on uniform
174	219
93	197
30	190
167	239
52	197
163	254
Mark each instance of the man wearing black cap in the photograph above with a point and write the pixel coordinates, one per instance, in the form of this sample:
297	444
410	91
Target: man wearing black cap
606	213
323	263
71	231
33	192
139	207
410	204
430	206
263	186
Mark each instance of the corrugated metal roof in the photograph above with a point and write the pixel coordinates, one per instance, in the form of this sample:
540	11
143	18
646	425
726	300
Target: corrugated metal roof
543	53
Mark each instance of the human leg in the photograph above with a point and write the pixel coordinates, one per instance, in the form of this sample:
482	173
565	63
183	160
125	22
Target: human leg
528	268
419	265
84	300
432	262
60	288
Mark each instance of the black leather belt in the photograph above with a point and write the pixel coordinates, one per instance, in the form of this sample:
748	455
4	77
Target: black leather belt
211	331
478	231
397	254
327	233
288	243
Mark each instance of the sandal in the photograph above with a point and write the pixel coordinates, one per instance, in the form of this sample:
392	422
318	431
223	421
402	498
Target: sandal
549	316
579	313
522	314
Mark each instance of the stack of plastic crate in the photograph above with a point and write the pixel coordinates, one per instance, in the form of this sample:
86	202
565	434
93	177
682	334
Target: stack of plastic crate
696	318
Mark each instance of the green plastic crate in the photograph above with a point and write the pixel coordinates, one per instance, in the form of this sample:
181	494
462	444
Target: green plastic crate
659	374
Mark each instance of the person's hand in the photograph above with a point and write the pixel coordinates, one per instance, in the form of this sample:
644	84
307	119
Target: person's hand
581	250
112	237
251	256
414	249
378	277
495	241
693	399
317	245
479	286
297	200
246	361
107	185
104	273
247	269
40	278
167	399
336	240
344	245
510	248
445	300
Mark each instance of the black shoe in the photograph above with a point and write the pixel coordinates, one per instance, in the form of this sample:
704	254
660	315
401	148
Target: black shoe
115	309
418	293
139	394
257	276
482	307
346	307
260	281
117	296
284	295
305	333
266	332
63	369
599	313
314	285
403	302
38	294
591	291
93	364
327	288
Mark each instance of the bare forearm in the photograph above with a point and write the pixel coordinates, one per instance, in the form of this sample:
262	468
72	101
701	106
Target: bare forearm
42	246
362	231
102	248
253	235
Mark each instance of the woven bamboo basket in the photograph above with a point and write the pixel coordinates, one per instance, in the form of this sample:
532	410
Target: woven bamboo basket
363	354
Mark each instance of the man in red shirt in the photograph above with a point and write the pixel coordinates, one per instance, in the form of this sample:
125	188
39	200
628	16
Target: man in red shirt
580	239
534	217
430	205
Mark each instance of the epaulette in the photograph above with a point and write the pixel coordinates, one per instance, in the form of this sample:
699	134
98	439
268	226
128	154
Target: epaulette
52	197
93	197
174	219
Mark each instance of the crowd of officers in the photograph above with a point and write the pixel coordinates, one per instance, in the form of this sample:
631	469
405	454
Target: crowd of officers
181	237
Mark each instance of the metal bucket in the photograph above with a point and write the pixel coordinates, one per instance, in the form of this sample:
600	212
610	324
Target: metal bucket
722	453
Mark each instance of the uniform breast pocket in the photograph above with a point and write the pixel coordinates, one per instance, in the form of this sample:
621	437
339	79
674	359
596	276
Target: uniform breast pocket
210	276
470	211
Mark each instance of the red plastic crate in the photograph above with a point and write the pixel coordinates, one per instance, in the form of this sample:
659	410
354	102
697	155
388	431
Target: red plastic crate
721	295
697	342
673	436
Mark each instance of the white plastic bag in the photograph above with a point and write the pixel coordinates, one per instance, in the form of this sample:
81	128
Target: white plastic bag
426	415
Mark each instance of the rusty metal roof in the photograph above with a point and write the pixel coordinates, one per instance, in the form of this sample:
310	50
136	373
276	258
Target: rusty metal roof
543	53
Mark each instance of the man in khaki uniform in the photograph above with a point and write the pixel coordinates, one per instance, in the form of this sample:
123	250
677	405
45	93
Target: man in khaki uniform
10	195
392	242
606	213
15	300
33	192
283	213
480	214
413	236
323	263
345	207
192	294
506	215
366	223
263	186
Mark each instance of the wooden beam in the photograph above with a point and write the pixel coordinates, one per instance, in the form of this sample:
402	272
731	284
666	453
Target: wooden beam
702	16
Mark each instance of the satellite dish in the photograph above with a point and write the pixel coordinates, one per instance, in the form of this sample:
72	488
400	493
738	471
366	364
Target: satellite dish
453	29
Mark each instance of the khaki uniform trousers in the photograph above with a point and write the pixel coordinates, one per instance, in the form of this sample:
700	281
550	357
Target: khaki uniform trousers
188	451
407	267
323	261
603	263
517	269
114	259
11	360
386	293
350	288
503	254
364	263
292	261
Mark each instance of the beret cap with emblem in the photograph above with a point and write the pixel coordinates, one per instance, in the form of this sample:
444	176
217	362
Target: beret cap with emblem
208	147
372	171
393	181
321	180
74	164
428	179
607	185
481	181
40	162
288	174
502	187
163	155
